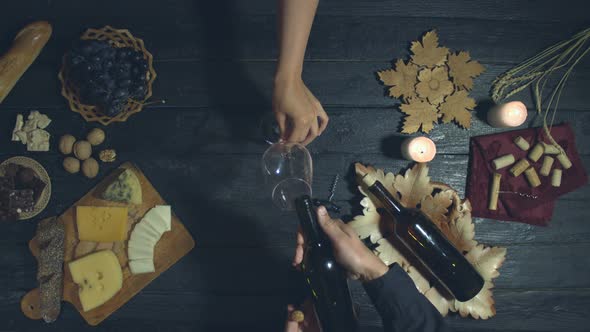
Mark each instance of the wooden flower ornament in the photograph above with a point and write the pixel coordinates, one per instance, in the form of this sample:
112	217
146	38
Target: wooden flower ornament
433	85
451	215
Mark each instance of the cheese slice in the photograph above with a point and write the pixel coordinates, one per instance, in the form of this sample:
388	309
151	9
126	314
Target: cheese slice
142	235
140	251
126	188
142	266
101	224
155	221
166	214
147	230
98	276
145	236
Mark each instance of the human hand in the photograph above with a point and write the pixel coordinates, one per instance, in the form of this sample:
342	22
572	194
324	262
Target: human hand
299	114
310	321
349	251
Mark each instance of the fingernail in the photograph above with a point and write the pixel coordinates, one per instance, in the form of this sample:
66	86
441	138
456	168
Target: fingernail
322	211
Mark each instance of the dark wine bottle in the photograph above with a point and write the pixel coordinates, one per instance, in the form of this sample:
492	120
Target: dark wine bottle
326	279
429	245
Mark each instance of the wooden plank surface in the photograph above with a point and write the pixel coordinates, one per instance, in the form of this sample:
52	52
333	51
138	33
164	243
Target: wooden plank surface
215	61
337	83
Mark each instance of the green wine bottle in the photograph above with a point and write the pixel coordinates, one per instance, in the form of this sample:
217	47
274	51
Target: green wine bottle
326	279
429	245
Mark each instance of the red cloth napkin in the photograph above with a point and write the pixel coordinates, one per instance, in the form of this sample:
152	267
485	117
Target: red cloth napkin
514	207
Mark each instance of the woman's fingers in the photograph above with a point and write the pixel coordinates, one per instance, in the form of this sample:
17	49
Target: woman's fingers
281	119
299	131
323	119
313	133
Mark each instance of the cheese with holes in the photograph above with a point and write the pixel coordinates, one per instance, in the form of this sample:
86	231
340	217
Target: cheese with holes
101	224
126	188
98	276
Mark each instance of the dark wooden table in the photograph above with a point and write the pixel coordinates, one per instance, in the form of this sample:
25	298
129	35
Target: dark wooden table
215	62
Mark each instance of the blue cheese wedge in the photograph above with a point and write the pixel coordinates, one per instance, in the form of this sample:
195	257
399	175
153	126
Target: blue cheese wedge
126	188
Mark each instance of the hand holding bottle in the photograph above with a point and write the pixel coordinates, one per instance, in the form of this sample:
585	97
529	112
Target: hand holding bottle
349	251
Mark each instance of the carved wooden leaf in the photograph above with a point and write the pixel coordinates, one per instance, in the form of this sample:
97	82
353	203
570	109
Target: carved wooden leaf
440	302
456	107
480	307
434	84
455	223
461	232
462	69
367	224
401	80
437	207
389	254
413	185
428	53
421	283
421	115
487	260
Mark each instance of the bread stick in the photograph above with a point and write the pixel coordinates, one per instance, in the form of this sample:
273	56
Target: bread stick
27	45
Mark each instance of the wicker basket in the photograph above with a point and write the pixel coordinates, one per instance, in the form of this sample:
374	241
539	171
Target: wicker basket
118	38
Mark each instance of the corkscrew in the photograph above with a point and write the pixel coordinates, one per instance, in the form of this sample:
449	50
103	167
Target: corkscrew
328	203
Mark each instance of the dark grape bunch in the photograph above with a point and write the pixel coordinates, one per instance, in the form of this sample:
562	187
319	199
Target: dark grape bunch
107	76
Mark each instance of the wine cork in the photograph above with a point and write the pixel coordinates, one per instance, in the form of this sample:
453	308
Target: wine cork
501	162
536	152
547	163
556	177
519	167
550	148
532	177
564	160
494	191
297	316
522	143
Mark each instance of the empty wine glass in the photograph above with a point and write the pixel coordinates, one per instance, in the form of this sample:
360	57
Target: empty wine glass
287	170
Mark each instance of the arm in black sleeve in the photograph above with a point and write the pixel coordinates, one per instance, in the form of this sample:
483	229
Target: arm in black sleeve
401	306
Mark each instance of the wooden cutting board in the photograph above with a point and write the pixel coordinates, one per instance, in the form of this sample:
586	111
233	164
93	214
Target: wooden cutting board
172	246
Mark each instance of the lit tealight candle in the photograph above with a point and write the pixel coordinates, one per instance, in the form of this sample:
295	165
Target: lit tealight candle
511	114
419	149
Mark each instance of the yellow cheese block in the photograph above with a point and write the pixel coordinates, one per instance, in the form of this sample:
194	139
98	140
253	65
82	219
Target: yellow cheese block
98	276
101	224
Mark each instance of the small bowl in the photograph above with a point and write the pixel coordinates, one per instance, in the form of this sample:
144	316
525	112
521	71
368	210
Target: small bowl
43	200
117	38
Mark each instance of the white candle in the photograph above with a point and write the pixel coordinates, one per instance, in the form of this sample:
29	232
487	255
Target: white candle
511	114
419	149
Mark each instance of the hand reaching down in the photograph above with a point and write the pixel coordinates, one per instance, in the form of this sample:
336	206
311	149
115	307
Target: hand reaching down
299	114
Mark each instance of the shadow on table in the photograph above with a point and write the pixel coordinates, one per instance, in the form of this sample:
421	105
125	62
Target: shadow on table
231	89
215	222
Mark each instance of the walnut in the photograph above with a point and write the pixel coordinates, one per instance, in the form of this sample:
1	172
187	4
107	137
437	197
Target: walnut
82	150
108	156
66	144
90	168
96	136
71	165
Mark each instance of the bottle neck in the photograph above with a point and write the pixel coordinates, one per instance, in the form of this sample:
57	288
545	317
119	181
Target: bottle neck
384	196
314	236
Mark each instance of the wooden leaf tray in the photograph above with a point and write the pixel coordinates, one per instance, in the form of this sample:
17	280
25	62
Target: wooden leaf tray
172	246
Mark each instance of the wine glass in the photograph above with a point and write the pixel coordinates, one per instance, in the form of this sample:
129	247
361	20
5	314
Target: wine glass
288	171
287	167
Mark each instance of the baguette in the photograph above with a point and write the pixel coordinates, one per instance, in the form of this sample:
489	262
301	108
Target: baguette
27	45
